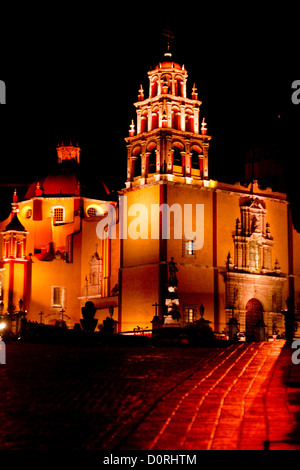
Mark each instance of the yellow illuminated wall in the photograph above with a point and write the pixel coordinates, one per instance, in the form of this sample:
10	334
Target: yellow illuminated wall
58	255
139	263
200	277
140	266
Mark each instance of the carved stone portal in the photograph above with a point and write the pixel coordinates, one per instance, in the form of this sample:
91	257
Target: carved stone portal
251	277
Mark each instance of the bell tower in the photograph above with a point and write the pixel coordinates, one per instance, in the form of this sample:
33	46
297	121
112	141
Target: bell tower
168	138
167	157
17	266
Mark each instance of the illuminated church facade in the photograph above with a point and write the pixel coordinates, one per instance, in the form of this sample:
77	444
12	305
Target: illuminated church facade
51	257
236	251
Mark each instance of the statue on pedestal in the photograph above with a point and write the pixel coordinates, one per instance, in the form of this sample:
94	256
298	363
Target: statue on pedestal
173	281
172	317
88	322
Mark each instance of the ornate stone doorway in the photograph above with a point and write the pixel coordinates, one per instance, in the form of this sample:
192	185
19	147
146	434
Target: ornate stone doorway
254	316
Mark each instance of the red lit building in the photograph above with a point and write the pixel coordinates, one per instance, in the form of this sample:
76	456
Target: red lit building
51	256
242	260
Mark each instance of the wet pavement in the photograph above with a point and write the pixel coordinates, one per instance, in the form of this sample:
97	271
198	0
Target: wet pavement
56	397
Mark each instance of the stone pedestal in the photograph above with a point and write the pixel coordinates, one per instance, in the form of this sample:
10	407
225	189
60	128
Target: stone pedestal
172	316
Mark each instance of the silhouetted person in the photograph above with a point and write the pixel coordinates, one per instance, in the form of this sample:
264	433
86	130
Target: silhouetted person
289	320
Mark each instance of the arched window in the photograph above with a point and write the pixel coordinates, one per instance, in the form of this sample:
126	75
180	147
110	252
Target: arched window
166	81
154	88
195	160
152	162
177	160
91	212
178	85
155	118
189	121
19	253
137	166
144	122
175	118
28	213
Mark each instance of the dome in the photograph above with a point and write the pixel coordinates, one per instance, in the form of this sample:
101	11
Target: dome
168	65
64	182
68	181
15	225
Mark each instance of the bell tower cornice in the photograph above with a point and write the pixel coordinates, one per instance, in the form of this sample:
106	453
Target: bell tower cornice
168	97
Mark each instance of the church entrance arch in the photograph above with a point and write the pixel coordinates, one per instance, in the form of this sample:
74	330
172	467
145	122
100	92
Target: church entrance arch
254	318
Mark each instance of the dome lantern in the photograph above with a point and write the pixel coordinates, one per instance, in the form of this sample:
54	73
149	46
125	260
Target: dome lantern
68	153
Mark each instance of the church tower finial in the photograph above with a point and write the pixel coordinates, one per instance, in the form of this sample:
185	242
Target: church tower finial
168	53
169	36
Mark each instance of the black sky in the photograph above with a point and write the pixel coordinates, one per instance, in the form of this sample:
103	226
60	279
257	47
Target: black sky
74	73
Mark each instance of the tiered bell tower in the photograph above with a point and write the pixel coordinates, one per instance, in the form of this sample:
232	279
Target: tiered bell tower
18	266
168	138
167	158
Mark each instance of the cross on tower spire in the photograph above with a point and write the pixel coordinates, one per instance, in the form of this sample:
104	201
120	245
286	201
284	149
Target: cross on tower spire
169	36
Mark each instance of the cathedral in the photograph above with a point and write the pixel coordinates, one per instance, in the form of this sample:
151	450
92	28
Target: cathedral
230	250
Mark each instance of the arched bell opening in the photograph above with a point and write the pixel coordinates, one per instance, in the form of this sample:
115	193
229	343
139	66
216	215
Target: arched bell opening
196	162
178	158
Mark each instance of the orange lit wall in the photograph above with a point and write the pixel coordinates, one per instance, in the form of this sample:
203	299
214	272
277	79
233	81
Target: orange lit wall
139	271
109	250
75	240
296	266
200	278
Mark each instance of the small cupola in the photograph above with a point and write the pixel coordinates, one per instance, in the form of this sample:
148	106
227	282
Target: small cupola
68	153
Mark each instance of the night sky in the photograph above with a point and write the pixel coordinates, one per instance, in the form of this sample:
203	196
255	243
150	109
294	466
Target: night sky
74	74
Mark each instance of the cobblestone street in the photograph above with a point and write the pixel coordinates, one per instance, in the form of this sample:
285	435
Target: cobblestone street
55	397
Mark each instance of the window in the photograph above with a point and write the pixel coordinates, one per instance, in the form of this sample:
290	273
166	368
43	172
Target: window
188	248
28	213
189	315
91	212
195	160
94	210
58	295
177	159
152	161
58	215
19	249
137	166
